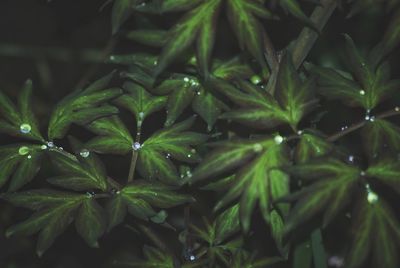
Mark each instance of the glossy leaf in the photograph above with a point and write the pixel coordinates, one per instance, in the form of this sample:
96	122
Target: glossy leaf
83	107
311	145
387	171
197	25
376	233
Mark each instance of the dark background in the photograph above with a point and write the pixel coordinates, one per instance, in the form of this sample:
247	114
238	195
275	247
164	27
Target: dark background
60	44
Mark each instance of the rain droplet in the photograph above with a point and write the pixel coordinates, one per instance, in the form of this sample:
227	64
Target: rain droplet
192	257
188	174
50	144
372	118
367	117
84	153
43	147
29	156
300	132
351	158
23	150
344	128
255	80
141	115
155	62
136	146
168	156
336	261
112	57
372	197
186	79
25	128
397	109
198	93
362	92
278	139
189	155
362	173
257	147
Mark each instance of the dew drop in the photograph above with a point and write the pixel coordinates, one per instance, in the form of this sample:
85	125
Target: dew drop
397	109
189	155
344	128
84	153
372	118
372	197
168	156
25	128
141	115
300	132
336	261
362	173
50	144
255	80
43	147
367	117
278	139
257	147
188	174
155	62
351	158
29	157
192	257
362	92
136	146
112	57
186	79
23	150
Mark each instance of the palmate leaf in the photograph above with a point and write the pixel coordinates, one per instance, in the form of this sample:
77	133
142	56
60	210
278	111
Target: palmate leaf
380	137
386	171
197	25
19	121
376	232
258	179
19	163
139	198
333	183
311	145
54	212
80	174
370	86
139	102
243	15
82	107
175	142
259	109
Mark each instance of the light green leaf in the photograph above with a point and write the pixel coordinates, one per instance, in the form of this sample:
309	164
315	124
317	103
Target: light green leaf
386	171
311	145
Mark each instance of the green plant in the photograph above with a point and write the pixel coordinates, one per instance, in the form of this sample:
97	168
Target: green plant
260	148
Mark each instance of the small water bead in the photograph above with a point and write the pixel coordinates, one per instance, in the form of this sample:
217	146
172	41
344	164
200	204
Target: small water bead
344	128
25	128
299	132
186	79
351	158
84	153
192	257
112	57
257	147
43	147
29	157
362	92
189	155
362	173
255	80
141	115
372	119
397	109
168	156
372	197
188	174
278	139
155	62
336	261
23	150
50	144
136	146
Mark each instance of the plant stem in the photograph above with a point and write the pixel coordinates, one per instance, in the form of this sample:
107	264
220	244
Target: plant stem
134	157
360	124
307	37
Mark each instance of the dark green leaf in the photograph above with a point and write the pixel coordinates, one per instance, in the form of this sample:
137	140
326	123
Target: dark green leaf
386	171
121	10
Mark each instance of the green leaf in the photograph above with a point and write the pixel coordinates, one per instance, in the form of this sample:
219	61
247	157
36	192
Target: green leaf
380	137
208	107
55	211
295	97
242	15
333	183
197	25
371	85
139	102
19	121
121	11
311	145
386	171
160	7
114	136
154	38
90	221
19	163
83	107
175	142
84	173
376	233
227	223
293	7
257	180
139	198
154	258
235	68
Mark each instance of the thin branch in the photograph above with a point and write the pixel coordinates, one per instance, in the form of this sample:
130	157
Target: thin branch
307	37
360	124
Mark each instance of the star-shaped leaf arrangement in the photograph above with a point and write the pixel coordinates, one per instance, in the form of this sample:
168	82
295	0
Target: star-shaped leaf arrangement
83	107
367	86
54	212
257	178
376	233
293	99
139	197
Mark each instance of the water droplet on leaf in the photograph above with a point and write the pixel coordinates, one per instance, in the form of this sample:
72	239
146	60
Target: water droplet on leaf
255	80
84	153
278	139
25	128
136	146
257	147
362	92
23	150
